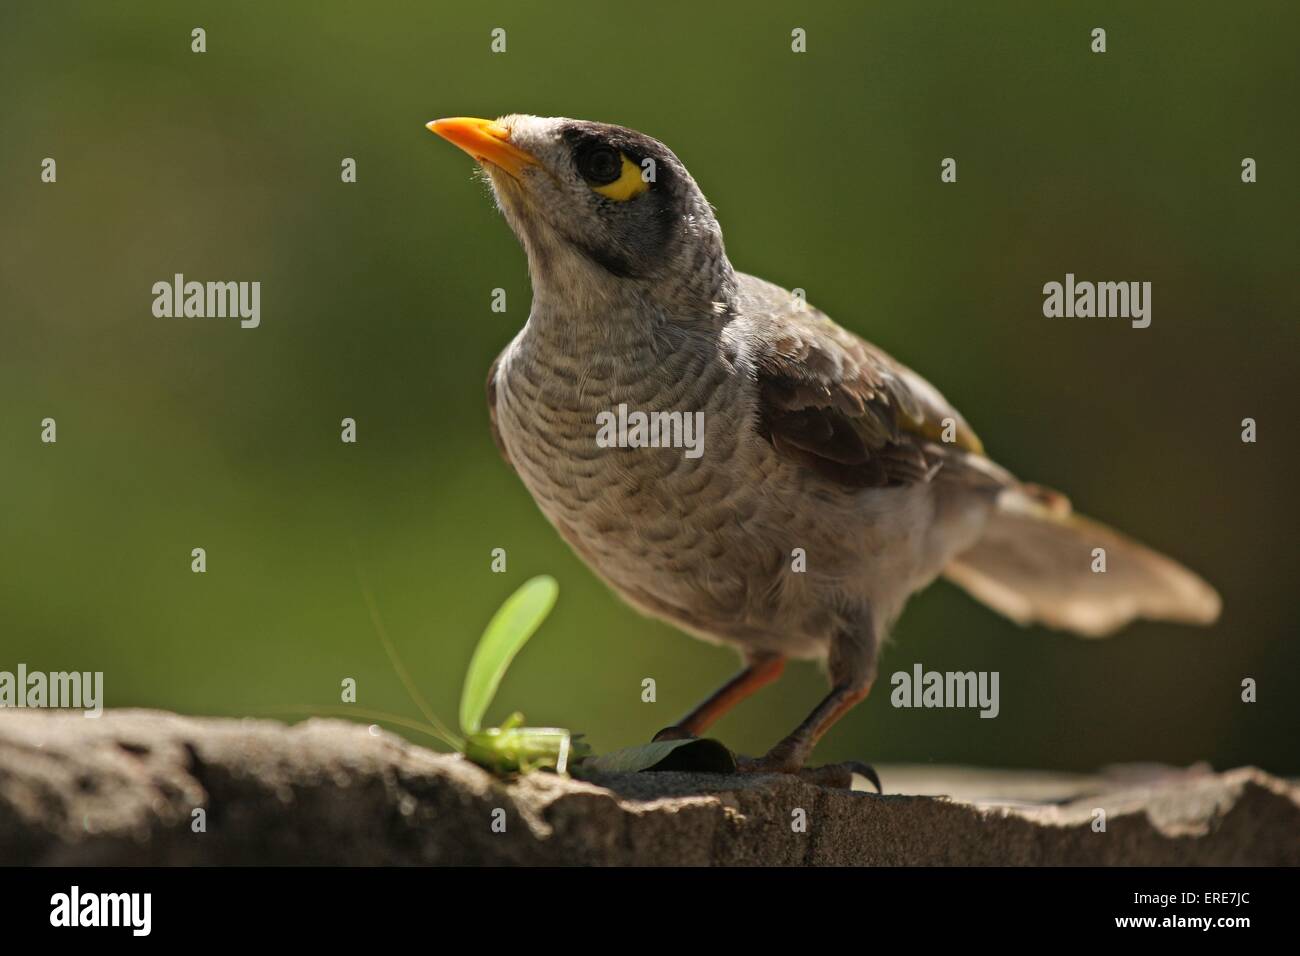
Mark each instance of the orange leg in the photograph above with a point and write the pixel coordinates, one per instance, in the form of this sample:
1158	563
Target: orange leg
791	753
762	670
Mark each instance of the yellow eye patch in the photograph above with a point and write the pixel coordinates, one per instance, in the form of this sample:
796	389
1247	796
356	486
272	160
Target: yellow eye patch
628	185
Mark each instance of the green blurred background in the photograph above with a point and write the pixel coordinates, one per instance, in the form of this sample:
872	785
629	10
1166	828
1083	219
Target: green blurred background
824	167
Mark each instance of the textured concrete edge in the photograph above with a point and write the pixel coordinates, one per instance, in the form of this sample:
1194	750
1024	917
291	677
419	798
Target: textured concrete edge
148	787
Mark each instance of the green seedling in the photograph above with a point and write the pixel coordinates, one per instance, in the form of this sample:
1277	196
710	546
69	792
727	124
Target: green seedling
512	747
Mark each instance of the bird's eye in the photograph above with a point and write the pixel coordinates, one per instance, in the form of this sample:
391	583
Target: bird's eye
600	165
610	173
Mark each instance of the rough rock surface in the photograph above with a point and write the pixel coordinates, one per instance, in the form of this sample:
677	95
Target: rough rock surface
123	789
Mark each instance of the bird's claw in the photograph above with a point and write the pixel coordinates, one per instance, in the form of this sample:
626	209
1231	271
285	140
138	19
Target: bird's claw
840	775
837	776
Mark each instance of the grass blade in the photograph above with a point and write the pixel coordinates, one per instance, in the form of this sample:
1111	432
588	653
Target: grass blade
402	674
380	716
510	628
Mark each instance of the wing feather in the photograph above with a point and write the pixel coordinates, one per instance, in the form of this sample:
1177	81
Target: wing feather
842	406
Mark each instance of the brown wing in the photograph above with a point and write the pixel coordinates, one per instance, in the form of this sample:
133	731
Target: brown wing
492	409
848	410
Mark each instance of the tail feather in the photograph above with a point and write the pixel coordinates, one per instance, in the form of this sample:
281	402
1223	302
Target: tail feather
1034	564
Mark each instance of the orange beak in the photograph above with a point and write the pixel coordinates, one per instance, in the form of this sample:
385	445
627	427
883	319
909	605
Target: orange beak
486	140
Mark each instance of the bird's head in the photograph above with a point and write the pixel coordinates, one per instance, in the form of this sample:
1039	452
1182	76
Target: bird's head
606	215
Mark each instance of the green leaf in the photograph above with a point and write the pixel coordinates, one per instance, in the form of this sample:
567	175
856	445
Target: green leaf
699	755
510	628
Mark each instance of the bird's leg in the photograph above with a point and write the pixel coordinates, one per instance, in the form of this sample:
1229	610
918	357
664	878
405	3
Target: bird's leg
852	663
793	752
761	670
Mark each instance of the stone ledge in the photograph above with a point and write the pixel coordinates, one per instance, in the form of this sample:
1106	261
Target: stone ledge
122	789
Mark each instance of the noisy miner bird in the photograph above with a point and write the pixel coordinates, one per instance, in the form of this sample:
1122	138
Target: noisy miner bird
833	482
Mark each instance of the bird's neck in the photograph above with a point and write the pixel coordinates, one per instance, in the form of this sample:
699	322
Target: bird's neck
573	305
604	328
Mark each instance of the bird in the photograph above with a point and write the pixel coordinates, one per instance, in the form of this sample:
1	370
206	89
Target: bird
832	481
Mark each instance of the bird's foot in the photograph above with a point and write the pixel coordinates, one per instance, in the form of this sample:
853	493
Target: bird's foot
790	760
837	776
840	775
